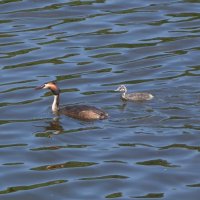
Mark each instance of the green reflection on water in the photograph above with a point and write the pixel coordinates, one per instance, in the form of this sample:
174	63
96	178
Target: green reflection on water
151	195
12	145
80	3
51	130
194	185
30	187
71	164
59	147
158	162
114	195
122	45
9	1
57	60
181	146
13	164
20	52
106	177
189	16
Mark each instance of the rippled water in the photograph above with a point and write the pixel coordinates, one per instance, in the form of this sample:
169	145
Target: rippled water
146	150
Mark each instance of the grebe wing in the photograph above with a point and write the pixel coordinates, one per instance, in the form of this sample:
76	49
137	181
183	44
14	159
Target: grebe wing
83	112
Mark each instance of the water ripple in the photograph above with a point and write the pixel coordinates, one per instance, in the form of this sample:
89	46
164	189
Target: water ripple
90	48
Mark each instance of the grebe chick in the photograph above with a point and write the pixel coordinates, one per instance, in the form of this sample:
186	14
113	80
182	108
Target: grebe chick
137	96
82	112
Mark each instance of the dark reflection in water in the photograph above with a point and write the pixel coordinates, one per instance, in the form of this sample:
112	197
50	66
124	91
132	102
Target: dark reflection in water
53	127
145	150
18	188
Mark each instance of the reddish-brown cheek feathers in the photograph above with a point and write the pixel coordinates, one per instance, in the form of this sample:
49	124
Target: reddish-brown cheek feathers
53	87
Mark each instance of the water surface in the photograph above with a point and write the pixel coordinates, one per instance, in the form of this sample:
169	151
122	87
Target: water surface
145	150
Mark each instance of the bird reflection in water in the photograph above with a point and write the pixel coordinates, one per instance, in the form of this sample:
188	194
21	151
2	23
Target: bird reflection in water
55	126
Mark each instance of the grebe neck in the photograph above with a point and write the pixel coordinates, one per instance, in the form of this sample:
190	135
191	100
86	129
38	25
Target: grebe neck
55	105
124	93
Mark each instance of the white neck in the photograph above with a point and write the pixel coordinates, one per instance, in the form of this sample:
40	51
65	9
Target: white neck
55	105
123	94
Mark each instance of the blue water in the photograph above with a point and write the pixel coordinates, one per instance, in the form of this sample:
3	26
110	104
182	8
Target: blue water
145	150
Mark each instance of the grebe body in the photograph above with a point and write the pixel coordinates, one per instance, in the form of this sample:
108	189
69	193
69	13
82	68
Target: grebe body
82	112
137	96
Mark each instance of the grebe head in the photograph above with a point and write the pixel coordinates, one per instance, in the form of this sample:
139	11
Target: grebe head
121	88
51	86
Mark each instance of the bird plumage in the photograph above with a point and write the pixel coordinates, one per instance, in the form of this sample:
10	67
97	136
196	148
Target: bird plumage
82	112
136	96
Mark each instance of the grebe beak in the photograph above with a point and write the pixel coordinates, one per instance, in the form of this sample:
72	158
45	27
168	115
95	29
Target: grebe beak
40	87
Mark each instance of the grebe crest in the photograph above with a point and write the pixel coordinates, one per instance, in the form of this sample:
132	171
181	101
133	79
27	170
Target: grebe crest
82	112
137	96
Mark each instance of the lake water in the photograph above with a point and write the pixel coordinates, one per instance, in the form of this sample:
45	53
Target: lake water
145	150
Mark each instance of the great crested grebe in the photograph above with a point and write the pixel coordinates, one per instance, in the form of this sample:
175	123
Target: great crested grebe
137	96
82	112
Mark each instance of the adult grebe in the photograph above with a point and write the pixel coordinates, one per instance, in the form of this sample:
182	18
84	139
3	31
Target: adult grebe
82	112
137	96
